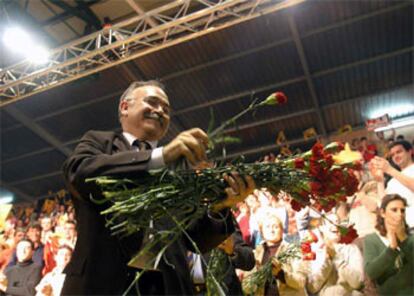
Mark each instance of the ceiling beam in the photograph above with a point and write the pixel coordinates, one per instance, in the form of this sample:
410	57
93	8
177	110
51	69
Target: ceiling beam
356	19
63	16
230	130
37	177
149	20
283	41
232	97
24	79
53	10
305	67
81	11
238	95
37	129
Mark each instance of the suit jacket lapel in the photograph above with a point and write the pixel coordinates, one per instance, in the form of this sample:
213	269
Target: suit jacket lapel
120	143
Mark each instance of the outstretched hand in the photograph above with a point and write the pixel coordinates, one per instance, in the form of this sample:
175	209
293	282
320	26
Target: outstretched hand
239	188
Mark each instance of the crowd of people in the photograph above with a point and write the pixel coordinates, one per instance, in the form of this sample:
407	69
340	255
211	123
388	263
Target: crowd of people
42	254
35	250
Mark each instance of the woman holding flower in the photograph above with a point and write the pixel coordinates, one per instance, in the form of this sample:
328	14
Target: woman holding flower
338	268
287	275
388	253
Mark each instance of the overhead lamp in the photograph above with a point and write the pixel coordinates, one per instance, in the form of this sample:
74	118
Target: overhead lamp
38	55
18	40
396	110
396	124
6	199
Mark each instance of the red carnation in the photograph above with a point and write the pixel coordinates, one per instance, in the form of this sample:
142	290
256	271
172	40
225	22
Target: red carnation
305	196
317	151
336	178
352	183
316	187
296	206
348	235
329	160
276	98
306	247
280	97
357	165
328	205
299	163
342	198
314	168
309	256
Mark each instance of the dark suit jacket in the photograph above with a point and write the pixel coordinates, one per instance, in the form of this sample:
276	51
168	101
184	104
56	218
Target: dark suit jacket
99	261
243	259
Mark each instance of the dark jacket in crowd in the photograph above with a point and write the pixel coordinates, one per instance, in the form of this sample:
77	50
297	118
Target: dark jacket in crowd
23	278
243	258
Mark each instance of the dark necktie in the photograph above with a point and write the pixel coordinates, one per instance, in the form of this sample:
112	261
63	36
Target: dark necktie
142	145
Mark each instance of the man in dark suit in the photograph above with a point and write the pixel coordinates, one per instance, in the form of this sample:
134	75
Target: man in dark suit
237	254
99	262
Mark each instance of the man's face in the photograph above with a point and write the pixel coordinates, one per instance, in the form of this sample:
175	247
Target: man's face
400	156
18	236
62	257
70	230
34	234
46	224
24	251
147	114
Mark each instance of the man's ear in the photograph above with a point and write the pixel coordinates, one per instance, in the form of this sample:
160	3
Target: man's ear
123	108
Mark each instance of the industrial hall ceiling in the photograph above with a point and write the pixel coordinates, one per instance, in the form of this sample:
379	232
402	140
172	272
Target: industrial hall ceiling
337	62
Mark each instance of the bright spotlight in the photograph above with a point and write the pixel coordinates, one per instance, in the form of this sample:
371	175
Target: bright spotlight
396	110
38	55
17	39
6	200
398	123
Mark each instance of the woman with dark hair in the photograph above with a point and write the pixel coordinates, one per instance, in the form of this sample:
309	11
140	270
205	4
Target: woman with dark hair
388	253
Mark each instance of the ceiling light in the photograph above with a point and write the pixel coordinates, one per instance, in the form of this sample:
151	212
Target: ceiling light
17	39
396	110
38	55
6	199
396	124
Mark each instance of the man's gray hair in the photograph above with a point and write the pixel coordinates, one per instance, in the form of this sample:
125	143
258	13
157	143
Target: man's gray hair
127	95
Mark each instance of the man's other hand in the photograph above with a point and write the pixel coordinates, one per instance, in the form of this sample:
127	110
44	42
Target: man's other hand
191	144
239	188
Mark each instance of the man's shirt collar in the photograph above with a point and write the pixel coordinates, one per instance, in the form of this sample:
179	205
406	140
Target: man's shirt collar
131	138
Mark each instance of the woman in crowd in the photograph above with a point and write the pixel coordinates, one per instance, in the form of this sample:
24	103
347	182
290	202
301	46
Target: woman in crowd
388	253
290	278
338	268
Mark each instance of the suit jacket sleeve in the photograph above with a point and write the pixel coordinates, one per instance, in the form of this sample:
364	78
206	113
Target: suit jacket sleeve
208	232
93	157
243	254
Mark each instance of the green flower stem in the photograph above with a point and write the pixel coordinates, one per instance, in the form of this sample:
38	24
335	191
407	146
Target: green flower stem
233	119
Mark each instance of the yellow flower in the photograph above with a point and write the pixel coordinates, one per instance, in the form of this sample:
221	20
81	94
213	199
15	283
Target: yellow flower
347	156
